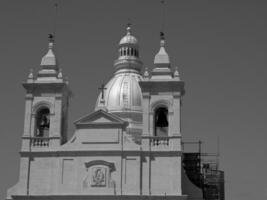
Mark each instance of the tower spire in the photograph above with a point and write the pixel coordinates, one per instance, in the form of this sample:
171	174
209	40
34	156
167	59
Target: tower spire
50	59
162	58
49	67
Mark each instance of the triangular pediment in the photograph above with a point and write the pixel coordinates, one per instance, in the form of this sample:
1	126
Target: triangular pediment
99	118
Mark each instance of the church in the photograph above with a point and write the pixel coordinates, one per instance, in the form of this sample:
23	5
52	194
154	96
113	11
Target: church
129	147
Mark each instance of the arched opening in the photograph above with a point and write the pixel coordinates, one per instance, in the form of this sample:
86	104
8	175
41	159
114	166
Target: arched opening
42	123
161	123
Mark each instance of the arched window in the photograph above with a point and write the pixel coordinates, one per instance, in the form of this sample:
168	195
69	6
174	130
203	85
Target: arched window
131	51
124	52
161	123
42	123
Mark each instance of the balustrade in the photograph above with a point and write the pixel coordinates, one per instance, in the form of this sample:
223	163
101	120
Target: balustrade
40	141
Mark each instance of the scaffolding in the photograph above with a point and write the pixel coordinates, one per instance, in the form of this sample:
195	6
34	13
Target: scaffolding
202	170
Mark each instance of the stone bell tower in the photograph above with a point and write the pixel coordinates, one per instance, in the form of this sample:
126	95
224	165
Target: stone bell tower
46	107
161	138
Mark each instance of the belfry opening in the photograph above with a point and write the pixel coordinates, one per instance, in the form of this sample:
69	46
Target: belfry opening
42	123
161	121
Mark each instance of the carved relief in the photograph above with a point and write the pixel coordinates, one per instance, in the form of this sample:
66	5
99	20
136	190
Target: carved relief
98	176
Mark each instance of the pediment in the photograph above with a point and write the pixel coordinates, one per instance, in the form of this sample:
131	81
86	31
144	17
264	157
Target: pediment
100	118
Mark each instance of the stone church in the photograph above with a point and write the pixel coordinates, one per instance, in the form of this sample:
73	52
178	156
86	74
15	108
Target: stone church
129	147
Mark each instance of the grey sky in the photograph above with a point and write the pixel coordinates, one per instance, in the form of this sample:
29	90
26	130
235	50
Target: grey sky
219	46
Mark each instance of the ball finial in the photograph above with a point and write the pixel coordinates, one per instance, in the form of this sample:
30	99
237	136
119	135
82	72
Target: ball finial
128	29
162	39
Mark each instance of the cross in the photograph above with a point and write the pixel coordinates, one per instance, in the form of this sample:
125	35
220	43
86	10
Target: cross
102	88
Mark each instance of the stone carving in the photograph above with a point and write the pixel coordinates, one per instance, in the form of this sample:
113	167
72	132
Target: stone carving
98	177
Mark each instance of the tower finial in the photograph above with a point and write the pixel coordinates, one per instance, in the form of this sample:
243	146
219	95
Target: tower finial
51	40
51	37
129	27
162	39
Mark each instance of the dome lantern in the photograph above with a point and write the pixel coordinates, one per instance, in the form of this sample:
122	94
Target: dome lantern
128	50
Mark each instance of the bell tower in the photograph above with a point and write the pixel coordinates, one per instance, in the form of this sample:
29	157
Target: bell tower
46	106
162	92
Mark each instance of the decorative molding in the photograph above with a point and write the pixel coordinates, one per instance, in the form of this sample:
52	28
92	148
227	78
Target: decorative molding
100	197
100	162
161	103
41	104
53	153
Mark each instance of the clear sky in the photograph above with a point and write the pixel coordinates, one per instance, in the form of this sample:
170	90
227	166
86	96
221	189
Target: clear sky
219	46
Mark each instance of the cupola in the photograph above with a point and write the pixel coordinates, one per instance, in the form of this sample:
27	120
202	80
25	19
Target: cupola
128	53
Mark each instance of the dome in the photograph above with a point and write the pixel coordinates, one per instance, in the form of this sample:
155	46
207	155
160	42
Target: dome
123	96
128	38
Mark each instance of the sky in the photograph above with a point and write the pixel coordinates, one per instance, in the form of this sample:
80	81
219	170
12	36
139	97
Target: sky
219	48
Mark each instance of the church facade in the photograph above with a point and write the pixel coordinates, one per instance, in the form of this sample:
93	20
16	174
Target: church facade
130	146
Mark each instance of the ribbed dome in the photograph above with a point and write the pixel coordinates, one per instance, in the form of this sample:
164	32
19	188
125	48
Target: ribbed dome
128	38
123	96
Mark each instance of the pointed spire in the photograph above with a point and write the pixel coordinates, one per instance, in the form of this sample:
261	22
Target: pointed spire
49	67
162	59
49	59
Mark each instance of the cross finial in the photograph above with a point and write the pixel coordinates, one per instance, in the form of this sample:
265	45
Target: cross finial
102	89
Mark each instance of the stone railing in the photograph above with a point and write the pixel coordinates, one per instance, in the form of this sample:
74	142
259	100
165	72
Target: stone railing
161	143
158	141
40	141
